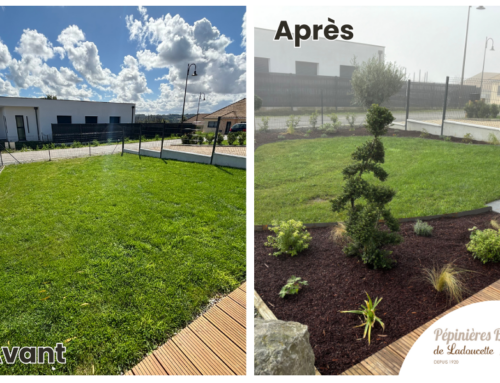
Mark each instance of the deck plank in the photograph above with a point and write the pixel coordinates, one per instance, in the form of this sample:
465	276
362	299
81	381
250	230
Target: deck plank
220	345
389	360
213	344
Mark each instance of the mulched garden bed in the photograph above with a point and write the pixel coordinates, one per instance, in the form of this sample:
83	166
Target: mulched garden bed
338	282
272	135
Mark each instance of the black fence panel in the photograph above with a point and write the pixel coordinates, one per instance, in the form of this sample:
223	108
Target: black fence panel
291	90
67	133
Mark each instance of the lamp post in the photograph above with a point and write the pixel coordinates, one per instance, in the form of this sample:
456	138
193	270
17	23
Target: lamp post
480	8
199	99
185	89
484	60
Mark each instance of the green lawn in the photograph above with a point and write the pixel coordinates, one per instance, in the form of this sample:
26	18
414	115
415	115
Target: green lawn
295	179
113	255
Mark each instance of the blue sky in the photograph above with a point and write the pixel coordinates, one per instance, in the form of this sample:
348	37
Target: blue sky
124	54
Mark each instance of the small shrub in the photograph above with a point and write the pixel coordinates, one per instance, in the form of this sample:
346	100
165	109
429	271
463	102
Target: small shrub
424	133
198	139
494	110
126	139
185	139
291	237
309	131
157	137
76	144
370	318
351	120
264	127
95	143
324	135
63	146
467	138
313	120
447	139
447	280
241	138
26	149
306	135
281	137
210	138
485	244
292	123
492	139
220	138
293	285
51	145
422	228
231	138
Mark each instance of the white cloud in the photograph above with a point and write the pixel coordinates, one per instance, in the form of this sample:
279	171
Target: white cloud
4	56
221	75
244	31
34	44
7	89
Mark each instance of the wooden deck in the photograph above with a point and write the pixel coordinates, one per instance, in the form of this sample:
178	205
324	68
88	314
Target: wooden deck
214	344
389	360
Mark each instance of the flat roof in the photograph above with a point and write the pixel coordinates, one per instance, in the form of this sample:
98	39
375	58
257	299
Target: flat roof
45	99
340	41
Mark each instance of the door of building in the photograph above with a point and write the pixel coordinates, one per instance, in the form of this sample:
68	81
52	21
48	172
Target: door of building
21	132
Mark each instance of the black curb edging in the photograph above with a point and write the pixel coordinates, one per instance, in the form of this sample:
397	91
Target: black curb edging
482	210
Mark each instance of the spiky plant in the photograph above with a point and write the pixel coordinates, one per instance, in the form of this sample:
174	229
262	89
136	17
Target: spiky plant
447	279
370	318
339	234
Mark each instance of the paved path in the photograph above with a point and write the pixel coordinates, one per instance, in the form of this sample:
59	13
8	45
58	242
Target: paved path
495	205
389	360
214	344
46	155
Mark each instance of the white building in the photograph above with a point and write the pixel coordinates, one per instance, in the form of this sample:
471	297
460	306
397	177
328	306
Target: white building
317	58
31	119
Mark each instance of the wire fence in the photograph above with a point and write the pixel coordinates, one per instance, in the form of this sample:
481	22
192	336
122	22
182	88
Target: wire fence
131	138
313	101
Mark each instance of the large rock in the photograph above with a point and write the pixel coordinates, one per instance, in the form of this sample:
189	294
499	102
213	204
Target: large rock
282	348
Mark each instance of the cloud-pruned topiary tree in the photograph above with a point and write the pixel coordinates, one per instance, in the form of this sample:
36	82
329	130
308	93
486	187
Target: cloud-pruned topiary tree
366	202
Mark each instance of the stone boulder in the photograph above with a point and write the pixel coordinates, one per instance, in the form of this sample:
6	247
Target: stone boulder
282	348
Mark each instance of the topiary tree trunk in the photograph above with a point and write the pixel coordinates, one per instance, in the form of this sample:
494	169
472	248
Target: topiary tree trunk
365	202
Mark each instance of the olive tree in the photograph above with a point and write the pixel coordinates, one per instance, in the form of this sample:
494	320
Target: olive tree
374	81
366	202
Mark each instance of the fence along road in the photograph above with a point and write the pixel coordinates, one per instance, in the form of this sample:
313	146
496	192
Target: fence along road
85	151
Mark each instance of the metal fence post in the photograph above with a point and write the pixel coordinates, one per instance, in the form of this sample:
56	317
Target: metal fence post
49	156
140	139
215	140
162	138
445	102
90	152
1	159
321	107
407	103
123	139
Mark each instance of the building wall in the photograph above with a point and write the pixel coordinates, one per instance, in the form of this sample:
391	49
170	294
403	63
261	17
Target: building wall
48	110
328	54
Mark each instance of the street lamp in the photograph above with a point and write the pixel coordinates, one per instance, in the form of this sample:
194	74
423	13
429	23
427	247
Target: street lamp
480	8
185	89
198	111
484	60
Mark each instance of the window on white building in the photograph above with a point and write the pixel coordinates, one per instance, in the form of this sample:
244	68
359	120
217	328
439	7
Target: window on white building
261	65
64	119
114	120
91	119
212	124
306	68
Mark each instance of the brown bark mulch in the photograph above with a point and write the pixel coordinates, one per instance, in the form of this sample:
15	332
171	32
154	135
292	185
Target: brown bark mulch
337	282
272	135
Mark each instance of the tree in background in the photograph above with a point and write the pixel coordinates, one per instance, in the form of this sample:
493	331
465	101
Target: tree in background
365	202
374	81
257	102
50	97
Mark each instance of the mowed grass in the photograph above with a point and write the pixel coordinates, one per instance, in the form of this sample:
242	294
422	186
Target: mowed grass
296	179
112	255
